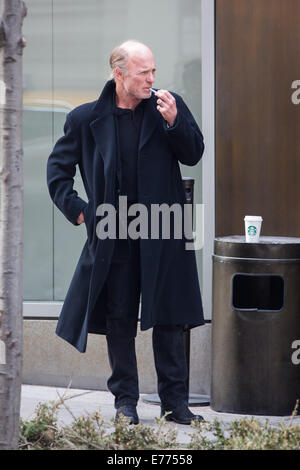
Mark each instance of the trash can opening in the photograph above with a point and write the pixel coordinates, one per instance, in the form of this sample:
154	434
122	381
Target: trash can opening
257	292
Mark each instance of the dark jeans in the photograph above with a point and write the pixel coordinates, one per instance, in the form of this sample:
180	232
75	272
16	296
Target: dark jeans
123	294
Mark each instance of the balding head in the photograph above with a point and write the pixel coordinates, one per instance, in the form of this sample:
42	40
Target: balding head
133	70
121	55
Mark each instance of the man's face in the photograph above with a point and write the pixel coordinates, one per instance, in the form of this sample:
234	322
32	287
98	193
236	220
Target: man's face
140	74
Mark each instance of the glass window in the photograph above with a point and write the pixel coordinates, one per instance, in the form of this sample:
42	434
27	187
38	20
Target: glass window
66	64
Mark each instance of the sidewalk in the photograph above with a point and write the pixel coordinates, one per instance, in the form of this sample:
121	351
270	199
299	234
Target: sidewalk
88	401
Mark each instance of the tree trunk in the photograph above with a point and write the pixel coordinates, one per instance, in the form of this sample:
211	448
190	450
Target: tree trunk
11	220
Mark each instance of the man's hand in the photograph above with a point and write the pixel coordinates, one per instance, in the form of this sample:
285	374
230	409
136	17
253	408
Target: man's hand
80	218
166	105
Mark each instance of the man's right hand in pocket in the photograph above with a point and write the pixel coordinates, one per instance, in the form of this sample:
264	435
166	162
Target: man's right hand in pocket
80	218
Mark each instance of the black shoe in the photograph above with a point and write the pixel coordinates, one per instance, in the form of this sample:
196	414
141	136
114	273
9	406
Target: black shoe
129	411
181	415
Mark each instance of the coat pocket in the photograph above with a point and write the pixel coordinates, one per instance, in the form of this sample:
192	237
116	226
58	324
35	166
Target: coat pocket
89	220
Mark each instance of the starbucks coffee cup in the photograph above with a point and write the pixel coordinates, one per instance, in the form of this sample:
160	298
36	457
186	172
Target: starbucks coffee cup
252	228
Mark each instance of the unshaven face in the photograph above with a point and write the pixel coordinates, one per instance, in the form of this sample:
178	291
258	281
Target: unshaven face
140	75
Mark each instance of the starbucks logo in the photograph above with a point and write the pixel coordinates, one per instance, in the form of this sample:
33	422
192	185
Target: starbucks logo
252	230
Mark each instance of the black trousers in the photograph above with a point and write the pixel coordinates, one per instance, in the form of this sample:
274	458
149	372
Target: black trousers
123	294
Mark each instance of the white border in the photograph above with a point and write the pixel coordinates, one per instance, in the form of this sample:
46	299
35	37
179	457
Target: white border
208	164
47	309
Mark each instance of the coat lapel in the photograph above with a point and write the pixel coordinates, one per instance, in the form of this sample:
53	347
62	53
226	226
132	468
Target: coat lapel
104	135
103	129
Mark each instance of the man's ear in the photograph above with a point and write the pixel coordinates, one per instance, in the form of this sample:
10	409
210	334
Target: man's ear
118	73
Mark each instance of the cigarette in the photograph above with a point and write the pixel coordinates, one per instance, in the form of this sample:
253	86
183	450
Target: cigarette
153	91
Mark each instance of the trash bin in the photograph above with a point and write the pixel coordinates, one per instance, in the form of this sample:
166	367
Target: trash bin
255	325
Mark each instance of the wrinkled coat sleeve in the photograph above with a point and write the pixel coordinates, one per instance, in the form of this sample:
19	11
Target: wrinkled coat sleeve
61	169
185	137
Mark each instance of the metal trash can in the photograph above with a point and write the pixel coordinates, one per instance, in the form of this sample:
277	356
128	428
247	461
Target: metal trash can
255	325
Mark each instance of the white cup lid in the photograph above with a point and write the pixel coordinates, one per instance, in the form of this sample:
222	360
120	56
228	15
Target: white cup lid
253	218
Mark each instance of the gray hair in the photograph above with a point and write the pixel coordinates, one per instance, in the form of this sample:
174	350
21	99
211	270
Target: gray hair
120	55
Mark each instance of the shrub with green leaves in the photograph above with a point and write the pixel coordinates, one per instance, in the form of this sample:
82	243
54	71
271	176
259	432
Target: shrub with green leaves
92	433
42	431
244	434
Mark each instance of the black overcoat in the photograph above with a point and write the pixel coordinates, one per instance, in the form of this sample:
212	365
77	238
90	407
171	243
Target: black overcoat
169	278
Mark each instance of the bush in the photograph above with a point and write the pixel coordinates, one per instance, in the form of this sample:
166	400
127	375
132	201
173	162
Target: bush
42	431
244	434
91	433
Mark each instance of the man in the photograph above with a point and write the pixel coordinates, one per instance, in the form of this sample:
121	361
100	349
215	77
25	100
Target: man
129	143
